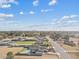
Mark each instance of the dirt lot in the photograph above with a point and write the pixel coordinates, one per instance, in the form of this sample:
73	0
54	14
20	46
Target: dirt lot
5	50
69	48
37	57
74	55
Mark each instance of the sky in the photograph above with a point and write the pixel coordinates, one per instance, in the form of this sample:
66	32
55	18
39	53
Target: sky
40	15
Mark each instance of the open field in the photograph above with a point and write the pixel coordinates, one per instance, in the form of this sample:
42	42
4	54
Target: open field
74	55
29	42
25	42
37	57
69	48
5	50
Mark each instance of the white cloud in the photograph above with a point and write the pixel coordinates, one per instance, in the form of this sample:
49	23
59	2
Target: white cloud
4	16
35	2
45	10
10	15
52	2
6	3
65	17
21	12
72	16
31	12
6	6
73	21
69	17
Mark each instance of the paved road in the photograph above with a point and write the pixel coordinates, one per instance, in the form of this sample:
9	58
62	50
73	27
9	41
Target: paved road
59	49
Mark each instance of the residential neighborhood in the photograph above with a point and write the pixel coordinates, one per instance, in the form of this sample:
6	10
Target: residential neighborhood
40	44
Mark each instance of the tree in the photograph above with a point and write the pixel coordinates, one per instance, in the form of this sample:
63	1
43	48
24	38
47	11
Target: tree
10	55
55	36
78	45
66	38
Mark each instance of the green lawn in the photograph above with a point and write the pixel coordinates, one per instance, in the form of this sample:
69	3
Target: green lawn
29	42
25	42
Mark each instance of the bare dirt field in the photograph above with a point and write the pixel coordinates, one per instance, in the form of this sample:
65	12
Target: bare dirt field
5	50
37	57
74	55
69	48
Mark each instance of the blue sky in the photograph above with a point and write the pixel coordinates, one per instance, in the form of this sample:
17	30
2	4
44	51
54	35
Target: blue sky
61	15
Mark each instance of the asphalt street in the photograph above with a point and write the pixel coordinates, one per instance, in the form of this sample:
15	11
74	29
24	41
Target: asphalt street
59	49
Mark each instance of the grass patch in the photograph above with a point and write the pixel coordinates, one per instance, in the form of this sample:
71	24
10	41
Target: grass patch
45	42
25	42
